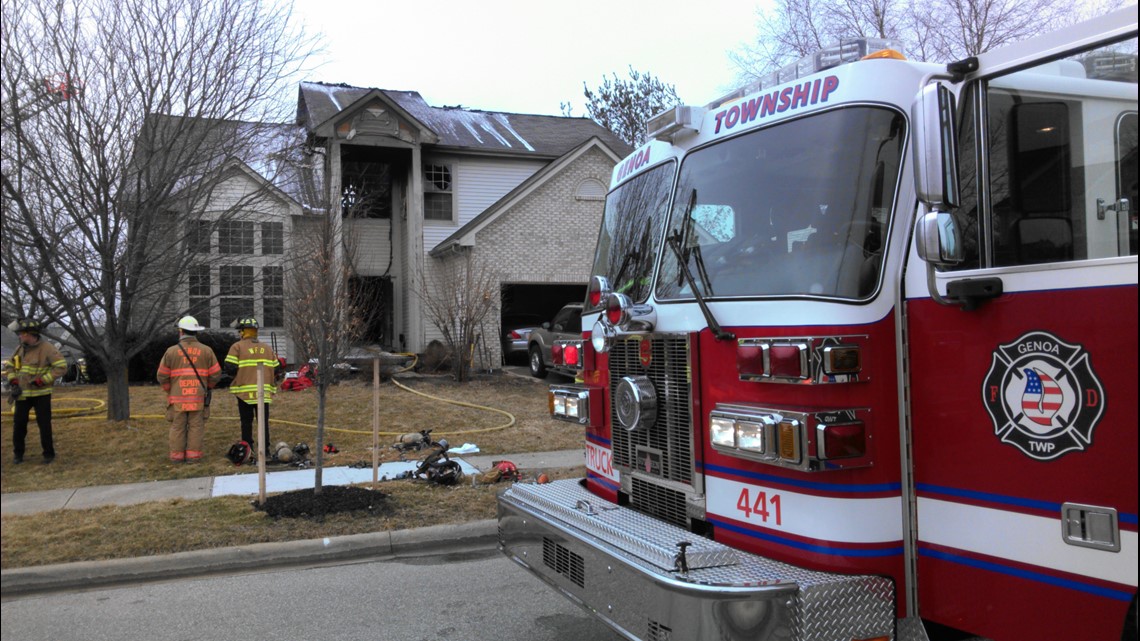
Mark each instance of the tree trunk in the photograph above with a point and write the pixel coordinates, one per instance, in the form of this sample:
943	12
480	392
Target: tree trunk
322	390
118	390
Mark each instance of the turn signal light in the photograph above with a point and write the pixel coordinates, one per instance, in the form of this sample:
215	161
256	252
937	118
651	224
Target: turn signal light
810	441
787	361
617	306
842	359
750	362
789	431
597	293
556	354
570	355
847	440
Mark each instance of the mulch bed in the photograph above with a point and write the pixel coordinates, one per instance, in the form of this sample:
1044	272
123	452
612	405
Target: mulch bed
333	499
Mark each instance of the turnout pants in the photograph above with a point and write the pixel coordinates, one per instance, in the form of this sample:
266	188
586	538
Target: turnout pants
20	415
247	412
187	432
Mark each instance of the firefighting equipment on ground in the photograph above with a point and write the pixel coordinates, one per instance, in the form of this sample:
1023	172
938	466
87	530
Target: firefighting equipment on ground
239	453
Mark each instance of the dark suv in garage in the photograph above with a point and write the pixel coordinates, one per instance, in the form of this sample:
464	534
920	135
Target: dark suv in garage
567	323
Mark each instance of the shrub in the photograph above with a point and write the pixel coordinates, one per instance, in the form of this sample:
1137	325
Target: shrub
144	365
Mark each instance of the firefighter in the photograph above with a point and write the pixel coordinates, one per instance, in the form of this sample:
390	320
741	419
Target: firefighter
188	372
242	362
31	373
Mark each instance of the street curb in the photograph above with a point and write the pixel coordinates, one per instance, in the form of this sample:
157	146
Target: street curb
393	544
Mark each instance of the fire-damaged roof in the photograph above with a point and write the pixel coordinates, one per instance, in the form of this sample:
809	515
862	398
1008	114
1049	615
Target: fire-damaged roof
319	104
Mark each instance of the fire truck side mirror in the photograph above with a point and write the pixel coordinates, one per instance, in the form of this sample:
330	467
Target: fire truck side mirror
935	146
938	240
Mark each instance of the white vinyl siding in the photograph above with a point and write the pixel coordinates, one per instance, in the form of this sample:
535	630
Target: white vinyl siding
371	244
478	184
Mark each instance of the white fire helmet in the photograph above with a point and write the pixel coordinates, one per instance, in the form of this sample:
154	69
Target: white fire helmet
189	324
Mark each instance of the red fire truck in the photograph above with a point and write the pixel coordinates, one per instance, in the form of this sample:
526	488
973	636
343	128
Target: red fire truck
857	358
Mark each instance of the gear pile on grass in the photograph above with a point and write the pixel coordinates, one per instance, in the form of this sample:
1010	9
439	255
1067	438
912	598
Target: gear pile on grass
333	499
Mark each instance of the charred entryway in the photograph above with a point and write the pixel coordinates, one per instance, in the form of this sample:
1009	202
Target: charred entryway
372	179
373	192
375	297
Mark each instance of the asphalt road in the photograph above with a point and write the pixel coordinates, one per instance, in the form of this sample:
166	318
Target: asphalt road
470	596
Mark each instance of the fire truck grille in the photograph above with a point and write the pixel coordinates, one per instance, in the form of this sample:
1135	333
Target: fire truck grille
658	632
667	505
564	562
671	435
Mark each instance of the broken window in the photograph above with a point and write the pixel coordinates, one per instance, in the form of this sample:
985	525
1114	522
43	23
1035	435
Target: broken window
437	193
367	190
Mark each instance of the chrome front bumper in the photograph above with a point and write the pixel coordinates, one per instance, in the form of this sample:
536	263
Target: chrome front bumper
623	567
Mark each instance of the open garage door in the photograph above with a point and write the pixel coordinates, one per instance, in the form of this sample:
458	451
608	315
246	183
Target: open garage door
530	305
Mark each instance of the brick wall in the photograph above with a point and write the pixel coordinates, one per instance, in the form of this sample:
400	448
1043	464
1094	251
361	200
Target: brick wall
549	237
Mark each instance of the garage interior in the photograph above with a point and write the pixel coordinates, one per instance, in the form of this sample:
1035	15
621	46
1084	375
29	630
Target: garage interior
531	305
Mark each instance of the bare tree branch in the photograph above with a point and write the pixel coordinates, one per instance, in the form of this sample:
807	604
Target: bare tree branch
934	30
457	297
121	118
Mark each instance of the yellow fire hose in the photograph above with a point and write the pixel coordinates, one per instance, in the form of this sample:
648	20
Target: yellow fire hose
98	405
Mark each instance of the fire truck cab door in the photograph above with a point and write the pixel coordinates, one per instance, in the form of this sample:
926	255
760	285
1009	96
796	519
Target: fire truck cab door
1022	381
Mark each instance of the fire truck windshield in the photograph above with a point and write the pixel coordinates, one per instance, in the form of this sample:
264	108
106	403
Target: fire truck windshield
631	231
800	208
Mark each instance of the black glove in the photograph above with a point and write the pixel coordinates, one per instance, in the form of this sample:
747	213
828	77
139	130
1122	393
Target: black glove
14	391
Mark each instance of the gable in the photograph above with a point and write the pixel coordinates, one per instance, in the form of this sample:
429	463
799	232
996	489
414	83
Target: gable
466	235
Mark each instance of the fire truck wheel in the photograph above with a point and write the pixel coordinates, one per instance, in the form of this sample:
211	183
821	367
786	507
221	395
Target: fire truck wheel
537	367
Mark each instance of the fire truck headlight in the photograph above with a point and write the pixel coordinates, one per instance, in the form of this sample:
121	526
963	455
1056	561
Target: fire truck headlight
722	431
751	436
572	407
602	336
570	403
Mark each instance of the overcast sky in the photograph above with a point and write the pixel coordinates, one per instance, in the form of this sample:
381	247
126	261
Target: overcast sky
527	57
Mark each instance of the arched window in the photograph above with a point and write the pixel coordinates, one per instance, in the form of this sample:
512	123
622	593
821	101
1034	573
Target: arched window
590	189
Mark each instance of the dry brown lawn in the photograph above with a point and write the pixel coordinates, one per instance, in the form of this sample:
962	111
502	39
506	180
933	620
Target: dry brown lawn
93	451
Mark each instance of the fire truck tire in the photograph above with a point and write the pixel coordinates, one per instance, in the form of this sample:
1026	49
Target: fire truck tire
537	367
1129	633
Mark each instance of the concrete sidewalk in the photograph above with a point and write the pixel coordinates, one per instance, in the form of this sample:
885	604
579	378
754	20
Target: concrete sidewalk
203	488
397	544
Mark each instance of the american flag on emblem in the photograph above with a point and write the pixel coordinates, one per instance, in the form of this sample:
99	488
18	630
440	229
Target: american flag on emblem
1042	397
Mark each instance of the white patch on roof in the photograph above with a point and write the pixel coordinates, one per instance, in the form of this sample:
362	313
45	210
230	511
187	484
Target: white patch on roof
328	91
473	120
506	123
474	134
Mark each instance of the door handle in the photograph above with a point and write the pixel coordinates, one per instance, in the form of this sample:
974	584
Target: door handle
1090	526
1102	207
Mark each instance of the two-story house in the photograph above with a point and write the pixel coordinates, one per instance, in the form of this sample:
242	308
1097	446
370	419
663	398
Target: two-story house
416	185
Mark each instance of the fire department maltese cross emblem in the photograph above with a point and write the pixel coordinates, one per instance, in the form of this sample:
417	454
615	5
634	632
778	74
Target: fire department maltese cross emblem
1043	396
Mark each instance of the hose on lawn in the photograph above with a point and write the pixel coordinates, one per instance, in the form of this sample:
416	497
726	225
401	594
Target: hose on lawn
98	405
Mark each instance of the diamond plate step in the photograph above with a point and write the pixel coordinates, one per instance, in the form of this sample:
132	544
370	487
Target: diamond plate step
645	537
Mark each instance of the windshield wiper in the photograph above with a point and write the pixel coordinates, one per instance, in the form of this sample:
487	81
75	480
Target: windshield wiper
674	241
